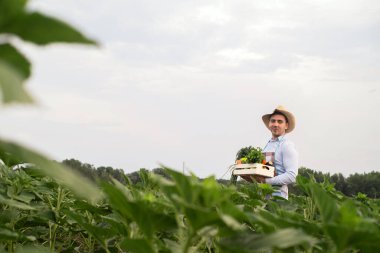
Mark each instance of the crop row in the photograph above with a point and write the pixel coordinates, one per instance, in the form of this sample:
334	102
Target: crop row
180	214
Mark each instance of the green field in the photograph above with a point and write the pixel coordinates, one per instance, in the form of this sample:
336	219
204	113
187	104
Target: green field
180	214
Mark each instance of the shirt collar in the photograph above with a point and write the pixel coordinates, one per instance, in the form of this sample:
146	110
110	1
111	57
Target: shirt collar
278	139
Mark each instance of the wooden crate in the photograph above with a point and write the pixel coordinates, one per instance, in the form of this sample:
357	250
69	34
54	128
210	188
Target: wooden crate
253	169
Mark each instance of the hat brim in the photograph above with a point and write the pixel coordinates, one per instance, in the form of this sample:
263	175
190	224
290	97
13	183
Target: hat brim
288	115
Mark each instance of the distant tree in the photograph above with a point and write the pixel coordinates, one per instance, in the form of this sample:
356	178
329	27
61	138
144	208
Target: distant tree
223	181
119	175
102	172
306	172
367	183
85	169
134	177
161	172
340	182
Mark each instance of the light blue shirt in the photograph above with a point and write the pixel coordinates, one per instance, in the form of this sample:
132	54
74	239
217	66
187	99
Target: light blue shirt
285	162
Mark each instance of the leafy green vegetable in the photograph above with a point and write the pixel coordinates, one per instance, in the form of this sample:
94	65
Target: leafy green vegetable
243	152
250	155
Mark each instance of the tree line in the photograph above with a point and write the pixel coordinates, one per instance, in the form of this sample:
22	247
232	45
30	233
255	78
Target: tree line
367	183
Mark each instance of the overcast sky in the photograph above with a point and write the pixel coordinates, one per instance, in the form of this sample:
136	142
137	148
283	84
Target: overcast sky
178	82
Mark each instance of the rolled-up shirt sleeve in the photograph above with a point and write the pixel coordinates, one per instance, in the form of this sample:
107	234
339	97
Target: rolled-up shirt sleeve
290	163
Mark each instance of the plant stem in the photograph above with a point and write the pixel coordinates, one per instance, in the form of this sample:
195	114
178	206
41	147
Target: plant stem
53	229
10	246
188	242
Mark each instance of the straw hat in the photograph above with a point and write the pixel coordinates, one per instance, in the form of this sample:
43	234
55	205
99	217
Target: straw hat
288	115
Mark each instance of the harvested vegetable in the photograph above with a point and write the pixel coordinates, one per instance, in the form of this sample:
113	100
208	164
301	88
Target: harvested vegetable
250	155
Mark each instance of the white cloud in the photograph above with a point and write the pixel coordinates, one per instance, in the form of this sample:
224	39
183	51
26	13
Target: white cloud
214	14
235	57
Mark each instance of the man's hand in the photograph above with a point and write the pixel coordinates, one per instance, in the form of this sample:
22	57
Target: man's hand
257	178
247	178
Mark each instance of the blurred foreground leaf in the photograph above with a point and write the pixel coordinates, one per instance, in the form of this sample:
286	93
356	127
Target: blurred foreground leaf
14	58
15	203
149	217
34	249
6	234
9	9
136	245
64	175
326	204
101	234
11	86
41	29
281	239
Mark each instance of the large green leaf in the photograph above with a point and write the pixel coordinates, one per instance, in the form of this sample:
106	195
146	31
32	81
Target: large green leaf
281	239
33	249
198	218
366	238
116	224
11	85
137	245
9	9
101	234
352	231
183	184
40	29
326	205
64	175
302	183
270	222
234	211
98	210
15	203
25	197
6	234
14	58
142	212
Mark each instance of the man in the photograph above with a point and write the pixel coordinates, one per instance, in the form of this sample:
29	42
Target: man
280	151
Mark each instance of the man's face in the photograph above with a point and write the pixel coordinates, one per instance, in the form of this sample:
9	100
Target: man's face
278	125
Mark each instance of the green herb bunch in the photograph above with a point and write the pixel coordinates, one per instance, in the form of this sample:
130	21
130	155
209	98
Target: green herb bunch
250	155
